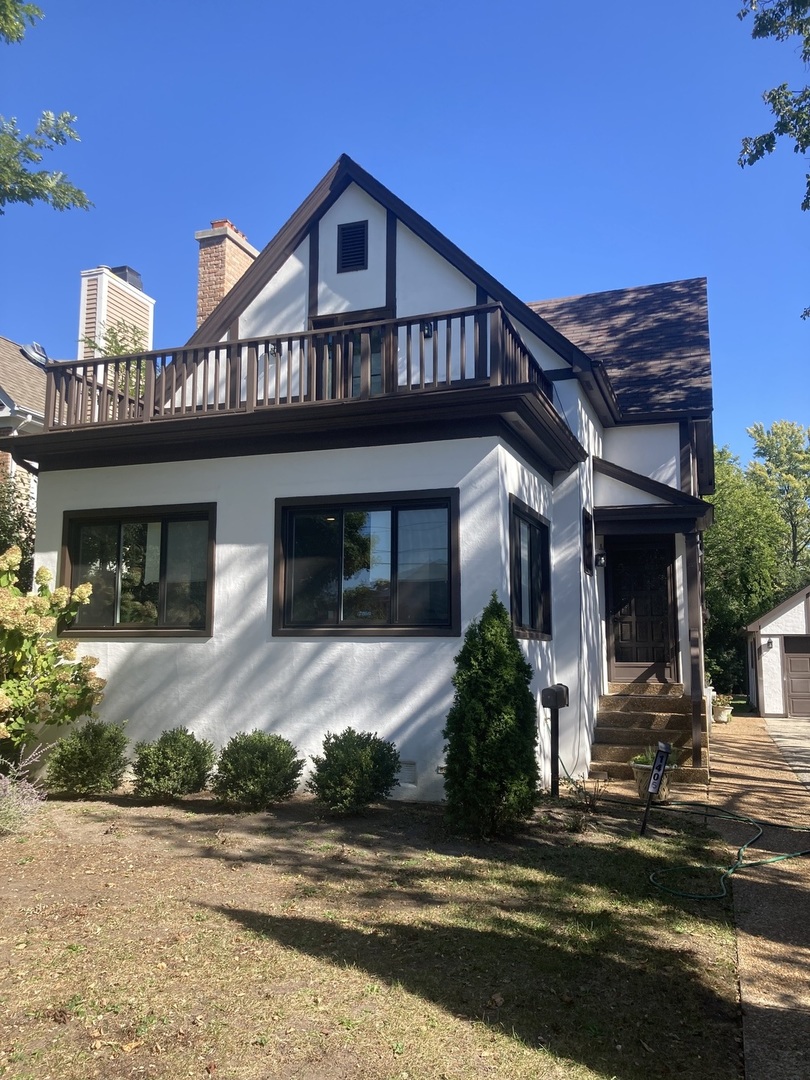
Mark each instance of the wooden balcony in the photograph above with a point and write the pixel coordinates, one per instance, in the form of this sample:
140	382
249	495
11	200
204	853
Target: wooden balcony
446	351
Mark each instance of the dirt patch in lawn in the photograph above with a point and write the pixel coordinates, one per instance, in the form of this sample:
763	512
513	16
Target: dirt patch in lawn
180	941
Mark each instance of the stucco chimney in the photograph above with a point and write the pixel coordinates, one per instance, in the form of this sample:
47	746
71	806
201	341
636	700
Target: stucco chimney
225	255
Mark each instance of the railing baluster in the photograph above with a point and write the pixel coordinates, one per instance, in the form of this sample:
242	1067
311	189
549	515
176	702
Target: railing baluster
448	351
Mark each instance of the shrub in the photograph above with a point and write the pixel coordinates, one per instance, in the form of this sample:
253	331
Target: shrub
491	730
356	769
20	798
256	770
177	763
89	761
41	680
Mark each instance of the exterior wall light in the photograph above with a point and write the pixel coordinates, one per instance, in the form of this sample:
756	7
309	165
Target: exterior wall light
600	559
769	643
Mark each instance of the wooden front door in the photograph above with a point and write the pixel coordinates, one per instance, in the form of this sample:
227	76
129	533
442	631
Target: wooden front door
641	610
797	675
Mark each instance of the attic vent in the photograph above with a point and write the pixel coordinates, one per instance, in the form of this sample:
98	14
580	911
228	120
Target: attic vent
407	772
352	247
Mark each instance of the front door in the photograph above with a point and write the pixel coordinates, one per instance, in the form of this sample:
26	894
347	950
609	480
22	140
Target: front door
797	673
641	610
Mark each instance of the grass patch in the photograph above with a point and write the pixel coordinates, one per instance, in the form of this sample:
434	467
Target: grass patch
178	941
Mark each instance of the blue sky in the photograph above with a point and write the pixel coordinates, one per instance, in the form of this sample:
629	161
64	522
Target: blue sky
567	147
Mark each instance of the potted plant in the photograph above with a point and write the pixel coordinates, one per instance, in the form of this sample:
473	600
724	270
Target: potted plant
721	708
642	770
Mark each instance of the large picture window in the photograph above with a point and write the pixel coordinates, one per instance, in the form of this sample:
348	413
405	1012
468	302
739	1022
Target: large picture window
368	565
151	569
530	572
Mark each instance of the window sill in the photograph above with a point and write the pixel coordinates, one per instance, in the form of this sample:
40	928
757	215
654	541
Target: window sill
117	634
366	631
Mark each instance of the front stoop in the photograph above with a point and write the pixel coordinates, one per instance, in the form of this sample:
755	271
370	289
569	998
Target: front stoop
633	716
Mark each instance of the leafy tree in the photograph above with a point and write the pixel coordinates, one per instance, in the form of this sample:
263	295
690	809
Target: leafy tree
121	338
745	568
42	682
491	773
782	471
782	20
20	181
18	523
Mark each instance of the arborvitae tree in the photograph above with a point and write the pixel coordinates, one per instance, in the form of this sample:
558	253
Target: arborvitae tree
491	730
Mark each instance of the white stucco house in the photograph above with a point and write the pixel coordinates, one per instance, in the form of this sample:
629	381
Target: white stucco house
290	521
779	658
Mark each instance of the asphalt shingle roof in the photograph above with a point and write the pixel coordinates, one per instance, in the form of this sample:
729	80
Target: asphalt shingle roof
20	379
653	341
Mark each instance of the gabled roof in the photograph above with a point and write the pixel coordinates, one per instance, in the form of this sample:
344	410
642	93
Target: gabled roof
22	383
345	172
803	595
676	509
653	341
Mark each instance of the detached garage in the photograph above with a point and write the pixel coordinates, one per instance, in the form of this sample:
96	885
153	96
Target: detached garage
779	658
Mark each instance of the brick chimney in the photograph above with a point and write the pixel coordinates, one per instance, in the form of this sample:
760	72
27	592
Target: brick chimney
225	255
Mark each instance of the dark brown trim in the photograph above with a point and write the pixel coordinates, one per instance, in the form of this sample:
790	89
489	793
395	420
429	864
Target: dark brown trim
694	617
437	496
171	511
686	451
679	504
631	520
314	272
519	510
703	440
588	543
521	415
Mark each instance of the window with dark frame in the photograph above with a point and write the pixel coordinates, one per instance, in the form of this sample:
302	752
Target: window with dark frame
370	565
352	246
151	569
588	546
531	572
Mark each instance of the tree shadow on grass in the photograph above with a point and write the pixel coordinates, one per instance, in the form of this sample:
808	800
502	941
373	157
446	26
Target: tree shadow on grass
598	987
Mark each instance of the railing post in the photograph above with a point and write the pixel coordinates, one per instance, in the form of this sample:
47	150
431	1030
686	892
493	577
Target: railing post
495	347
252	378
50	396
149	389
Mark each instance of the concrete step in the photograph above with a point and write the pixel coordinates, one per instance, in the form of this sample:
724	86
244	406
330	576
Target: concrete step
642	737
617	753
630	703
647	689
643	721
685	776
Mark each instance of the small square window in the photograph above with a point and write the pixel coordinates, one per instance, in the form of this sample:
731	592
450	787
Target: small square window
352	246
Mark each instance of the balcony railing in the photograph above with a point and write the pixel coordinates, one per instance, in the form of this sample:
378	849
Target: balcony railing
467	347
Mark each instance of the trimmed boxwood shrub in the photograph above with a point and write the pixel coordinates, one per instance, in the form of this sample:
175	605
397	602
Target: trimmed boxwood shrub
256	770
491	775
176	763
356	768
91	760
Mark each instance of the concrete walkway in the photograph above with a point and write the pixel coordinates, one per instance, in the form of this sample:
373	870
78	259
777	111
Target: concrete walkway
762	770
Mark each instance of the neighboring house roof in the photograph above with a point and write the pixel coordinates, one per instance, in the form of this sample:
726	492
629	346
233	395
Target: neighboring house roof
802	596
22	383
653	341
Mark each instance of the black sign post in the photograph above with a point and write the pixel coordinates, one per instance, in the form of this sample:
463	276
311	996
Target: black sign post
555	698
656	776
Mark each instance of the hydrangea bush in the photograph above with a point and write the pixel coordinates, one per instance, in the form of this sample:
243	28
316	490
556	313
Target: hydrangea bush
42	681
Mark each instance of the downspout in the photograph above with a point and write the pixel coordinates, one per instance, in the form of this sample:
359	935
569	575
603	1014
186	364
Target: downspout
694	616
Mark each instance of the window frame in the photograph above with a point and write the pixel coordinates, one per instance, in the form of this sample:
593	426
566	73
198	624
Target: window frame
399	500
118	515
588	542
539	627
